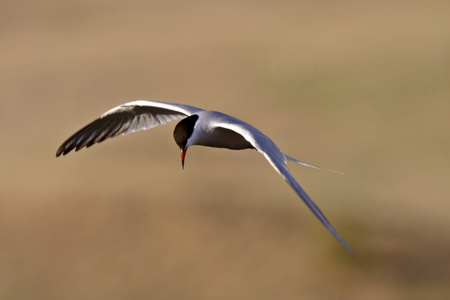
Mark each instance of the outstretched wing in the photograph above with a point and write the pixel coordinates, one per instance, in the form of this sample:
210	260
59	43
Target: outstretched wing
123	119
278	159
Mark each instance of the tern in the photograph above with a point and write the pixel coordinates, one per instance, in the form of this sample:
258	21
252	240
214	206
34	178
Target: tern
197	127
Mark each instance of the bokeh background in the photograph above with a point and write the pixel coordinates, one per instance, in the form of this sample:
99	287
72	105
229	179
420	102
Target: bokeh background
358	86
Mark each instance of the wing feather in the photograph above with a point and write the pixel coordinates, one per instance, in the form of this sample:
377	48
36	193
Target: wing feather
123	119
278	160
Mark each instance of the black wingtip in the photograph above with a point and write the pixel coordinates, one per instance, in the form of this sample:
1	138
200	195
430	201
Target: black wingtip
62	150
58	152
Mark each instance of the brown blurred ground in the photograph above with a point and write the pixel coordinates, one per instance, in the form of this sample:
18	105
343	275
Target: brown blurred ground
358	87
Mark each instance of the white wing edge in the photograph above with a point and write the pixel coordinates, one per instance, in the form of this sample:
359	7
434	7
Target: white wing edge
182	108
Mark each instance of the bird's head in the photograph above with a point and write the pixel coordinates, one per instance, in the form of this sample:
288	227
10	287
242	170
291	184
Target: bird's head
183	131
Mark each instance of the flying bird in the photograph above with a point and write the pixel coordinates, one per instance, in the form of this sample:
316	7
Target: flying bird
197	127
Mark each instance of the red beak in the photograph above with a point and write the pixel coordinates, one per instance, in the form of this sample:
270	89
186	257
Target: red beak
183	155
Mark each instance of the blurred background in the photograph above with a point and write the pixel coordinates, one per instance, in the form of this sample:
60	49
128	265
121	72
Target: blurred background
359	87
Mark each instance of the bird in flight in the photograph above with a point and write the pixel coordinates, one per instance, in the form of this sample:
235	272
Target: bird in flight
197	127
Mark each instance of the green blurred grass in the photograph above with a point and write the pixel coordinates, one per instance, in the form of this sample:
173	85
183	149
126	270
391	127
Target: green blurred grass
357	87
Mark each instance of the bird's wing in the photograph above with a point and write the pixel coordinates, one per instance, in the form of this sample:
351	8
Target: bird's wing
126	118
278	159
